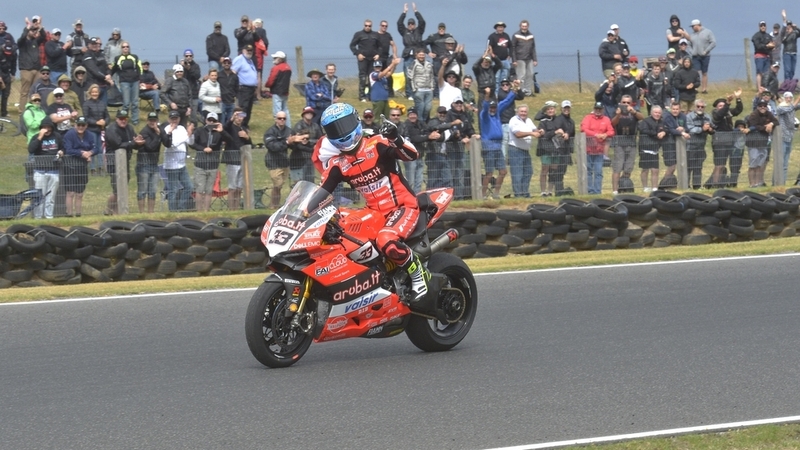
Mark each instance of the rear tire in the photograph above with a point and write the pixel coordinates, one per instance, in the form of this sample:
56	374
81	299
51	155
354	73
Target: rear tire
269	337
430	335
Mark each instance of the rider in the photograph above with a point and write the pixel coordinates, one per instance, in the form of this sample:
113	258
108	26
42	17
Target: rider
370	165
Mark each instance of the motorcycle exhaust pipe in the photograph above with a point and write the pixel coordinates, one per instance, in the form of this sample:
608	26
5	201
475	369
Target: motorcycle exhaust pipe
437	244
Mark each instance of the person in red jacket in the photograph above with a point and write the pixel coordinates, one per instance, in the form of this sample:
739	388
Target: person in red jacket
599	131
278	83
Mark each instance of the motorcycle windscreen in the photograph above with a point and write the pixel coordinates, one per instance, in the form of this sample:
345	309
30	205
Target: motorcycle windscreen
288	229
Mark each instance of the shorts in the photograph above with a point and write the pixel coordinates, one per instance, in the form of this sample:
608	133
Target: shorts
76	175
235	177
670	155
762	64
648	160
757	157
700	63
278	177
721	156
204	180
623	159
493	160
549	160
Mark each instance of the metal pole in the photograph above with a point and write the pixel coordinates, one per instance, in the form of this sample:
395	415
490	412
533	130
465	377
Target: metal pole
580	80
580	163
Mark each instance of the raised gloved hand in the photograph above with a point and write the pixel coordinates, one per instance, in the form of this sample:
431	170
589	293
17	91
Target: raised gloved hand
388	129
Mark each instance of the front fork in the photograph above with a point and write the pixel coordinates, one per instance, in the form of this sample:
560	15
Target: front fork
297	305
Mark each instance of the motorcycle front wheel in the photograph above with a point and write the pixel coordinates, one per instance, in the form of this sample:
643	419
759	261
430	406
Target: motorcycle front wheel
431	335
270	336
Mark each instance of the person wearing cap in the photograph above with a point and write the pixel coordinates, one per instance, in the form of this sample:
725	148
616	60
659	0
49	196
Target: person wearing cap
507	87
454	56
211	94
485	70
687	81
469	97
379	89
318	94
499	46
675	122
722	114
789	36
564	149
599	131
127	68
97	118
113	48
245	69
232	158
70	97
764	94
777	48
147	164
177	93
521	130
625	122
762	47
438	48
657	89
610	53
785	112
673	64
149	86
193	74
629	85
546	146
623	45
699	126
79	149
32	116
8	68
79	41
633	62
449	90
417	132
422	81
61	113
217	47
279	83
120	135
208	145
439	174
43	86
307	132
28	59
703	41
653	134
56	52
683	50
760	124
769	79
47	150
175	138
675	32
492	141
607	95
462	127
412	40
277	139
228	87
366	47
387	44
97	68
245	35
523	56
368	125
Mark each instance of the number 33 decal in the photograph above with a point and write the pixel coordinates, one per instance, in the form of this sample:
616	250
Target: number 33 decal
281	237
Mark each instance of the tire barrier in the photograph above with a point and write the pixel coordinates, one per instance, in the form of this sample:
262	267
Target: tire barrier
152	250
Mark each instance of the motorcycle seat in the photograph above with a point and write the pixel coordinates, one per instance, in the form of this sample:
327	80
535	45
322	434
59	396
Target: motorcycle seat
427	209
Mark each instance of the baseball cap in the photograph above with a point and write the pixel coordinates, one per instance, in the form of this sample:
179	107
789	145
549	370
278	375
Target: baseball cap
248	47
94	40
566	104
441	109
763	22
442	25
225	58
458	100
245	18
505	80
672	50
279	54
308	109
663	58
610	32
450	40
44	69
116	31
35	19
174	113
776	64
212	116
368	113
777	26
177	68
695	22
762	102
58	91
412	21
788	94
81	121
412	111
499	24
145	63
683	41
626	66
36	95
152	115
217	24
77	22
633	59
614	26
598	105
377	64
188	52
122	114
492	104
2	24
550	104
56	31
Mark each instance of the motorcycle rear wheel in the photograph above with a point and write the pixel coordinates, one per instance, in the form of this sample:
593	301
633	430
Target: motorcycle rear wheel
431	335
271	339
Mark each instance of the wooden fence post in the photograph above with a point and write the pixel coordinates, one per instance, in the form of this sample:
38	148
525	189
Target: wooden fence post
247	175
683	168
121	172
475	169
580	163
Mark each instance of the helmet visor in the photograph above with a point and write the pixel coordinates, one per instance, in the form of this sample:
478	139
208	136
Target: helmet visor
341	128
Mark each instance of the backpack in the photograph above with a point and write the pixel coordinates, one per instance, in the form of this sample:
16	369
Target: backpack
788	86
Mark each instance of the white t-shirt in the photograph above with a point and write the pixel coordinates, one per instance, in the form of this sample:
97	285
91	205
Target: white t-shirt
448	94
516	124
175	156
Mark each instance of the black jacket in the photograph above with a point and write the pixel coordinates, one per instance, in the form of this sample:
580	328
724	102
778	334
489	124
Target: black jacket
648	134
412	39
722	118
44	151
118	137
417	133
228	86
245	37
28	51
277	156
217	47
682	78
96	67
128	67
206	136
485	77
148	154
56	56
367	44
760	40
301	153
511	111
436	42
178	91
232	154
78	42
606	51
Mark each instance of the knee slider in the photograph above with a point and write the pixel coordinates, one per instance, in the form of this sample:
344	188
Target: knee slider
396	251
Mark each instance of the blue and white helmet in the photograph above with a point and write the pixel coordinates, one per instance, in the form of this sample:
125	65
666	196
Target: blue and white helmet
342	126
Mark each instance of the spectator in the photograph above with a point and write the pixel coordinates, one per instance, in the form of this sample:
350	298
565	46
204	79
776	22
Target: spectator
43	86
128	69
633	62
97	68
412	40
521	130
469	98
454	55
418	134
485	71
499	46
599	130
368	125
762	47
761	122
565	146
507	88
683	50
28	58
8	68
97	117
657	90
260	50
228	86
61	113
79	149
786	109
789	36
211	94
610	53
436	42
764	94
46	148
629	85
545	147
456	155
79	44
231	157
379	86
421	78
217	47
777	48
607	95
318	94
623	46
492	142
147	164
523	56
652	135
686	80
366	47
245	68
175	138
149	87
245	35
307	132
439	174
193	75
675	122
723	139
277	139
120	135
672	65
278	83
56	52
113	49
208	145
703	42
625	122
332	81
387	43
79	84
699	126
70	97
675	33
177	94
448	86
33	115
769	79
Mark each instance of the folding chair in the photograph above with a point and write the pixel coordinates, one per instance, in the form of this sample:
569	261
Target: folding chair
218	195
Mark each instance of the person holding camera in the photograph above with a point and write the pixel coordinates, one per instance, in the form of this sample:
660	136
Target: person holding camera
625	123
208	144
47	149
120	135
28	57
307	132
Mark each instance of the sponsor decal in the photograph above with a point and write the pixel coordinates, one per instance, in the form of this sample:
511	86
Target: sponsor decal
358	286
337	262
335	325
321	271
361	302
295	224
366	178
376	330
366	252
443	197
296	291
287	280
372	187
330	209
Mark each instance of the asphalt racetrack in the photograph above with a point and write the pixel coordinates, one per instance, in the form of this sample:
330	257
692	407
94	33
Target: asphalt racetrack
553	355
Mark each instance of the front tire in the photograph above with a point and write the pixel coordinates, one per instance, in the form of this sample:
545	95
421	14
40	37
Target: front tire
431	335
271	339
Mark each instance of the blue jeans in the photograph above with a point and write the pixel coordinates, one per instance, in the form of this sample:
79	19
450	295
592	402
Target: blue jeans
97	159
227	112
413	172
281	103
130	99
179	189
305	173
789	64
455	159
594	172
408	62
146	181
521	166
787	152
502	73
422	103
153	95
439	174
54	77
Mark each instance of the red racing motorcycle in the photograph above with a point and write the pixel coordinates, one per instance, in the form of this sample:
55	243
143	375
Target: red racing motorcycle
329	282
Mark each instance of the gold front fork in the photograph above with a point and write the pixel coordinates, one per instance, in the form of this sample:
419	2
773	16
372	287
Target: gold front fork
306	294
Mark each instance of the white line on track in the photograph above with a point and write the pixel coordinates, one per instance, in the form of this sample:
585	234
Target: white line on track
557	269
650	434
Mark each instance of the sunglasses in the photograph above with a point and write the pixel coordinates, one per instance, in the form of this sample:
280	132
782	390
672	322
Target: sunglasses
80	124
394	115
280	118
59	95
126	46
36	100
701	107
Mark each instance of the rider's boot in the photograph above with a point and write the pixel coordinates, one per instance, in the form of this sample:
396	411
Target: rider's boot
419	277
